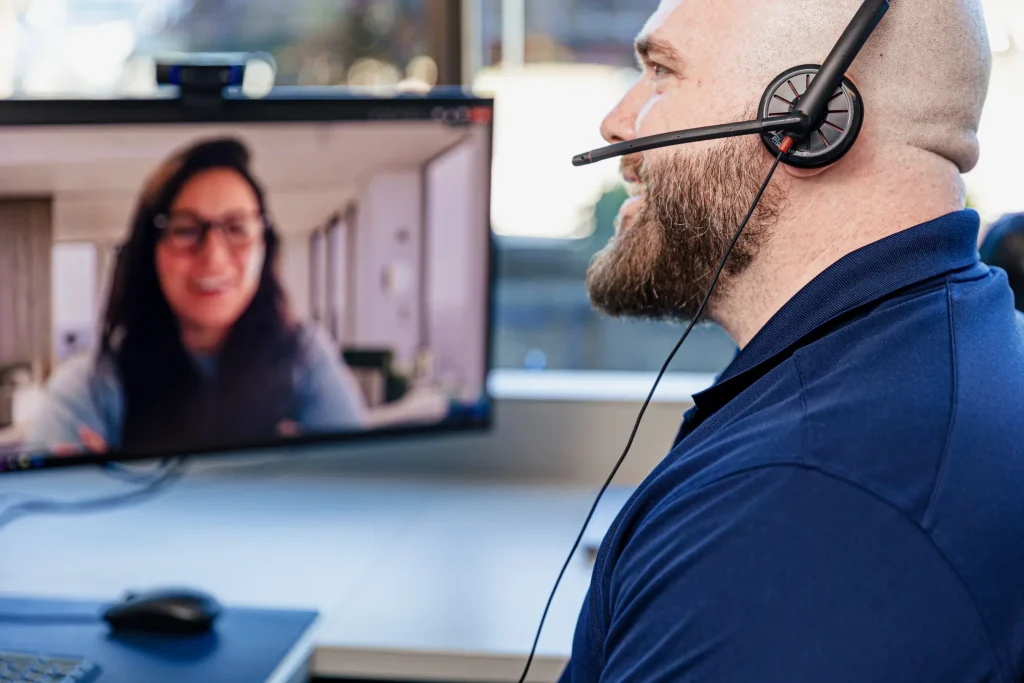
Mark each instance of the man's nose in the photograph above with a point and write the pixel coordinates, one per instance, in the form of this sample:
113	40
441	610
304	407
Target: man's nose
620	123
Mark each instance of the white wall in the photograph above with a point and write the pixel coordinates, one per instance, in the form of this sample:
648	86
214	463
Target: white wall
458	233
74	284
9	32
295	276
339	274
75	279
92	216
315	279
388	244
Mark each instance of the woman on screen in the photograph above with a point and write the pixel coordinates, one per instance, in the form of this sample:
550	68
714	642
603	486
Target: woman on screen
199	348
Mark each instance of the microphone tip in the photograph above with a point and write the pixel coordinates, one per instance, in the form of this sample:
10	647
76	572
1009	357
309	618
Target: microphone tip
581	159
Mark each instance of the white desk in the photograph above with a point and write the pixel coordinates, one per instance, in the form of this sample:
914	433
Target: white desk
413	580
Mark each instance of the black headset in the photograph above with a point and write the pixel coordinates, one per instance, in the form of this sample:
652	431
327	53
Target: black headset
810	114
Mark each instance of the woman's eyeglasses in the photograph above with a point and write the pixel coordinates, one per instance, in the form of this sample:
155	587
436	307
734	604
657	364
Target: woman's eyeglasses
187	232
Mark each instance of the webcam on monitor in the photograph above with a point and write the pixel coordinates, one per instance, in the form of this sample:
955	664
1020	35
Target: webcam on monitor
206	74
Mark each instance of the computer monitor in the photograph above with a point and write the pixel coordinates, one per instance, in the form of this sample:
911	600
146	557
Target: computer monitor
186	279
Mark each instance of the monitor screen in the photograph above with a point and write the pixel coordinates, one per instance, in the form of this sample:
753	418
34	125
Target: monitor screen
179	281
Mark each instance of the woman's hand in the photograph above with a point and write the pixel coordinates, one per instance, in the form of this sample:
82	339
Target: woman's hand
288	429
91	443
422	405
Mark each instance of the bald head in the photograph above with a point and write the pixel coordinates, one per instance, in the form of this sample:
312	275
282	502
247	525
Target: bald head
923	74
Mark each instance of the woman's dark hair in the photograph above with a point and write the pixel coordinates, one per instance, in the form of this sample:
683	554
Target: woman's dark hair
170	404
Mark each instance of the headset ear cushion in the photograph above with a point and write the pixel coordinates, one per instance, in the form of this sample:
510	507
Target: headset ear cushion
833	139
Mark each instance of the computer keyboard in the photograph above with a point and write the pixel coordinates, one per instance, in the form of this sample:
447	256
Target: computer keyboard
27	667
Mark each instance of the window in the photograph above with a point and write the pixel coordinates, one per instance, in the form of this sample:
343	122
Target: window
556	68
994	185
56	47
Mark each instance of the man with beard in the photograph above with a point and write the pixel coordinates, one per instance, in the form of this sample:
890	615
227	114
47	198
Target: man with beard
846	504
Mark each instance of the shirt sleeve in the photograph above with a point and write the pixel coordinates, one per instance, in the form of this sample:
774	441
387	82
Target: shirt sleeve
82	392
329	397
787	574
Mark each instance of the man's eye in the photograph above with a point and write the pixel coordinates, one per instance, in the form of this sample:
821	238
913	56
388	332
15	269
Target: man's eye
659	71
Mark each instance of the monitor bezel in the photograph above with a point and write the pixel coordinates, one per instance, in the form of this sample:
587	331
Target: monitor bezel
282	105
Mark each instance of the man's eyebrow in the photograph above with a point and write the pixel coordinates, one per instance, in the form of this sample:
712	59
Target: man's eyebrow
647	45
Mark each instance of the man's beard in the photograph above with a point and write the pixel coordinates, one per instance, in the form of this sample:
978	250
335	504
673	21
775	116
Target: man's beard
662	265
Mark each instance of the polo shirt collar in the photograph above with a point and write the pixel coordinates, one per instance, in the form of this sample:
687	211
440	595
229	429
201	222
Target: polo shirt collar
942	245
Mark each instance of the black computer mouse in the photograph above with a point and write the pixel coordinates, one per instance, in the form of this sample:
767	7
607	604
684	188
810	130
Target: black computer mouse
164	612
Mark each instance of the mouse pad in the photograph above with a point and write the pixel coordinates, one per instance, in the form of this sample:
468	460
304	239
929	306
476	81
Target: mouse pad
245	645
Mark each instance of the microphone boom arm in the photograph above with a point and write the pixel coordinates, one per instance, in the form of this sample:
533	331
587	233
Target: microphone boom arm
790	123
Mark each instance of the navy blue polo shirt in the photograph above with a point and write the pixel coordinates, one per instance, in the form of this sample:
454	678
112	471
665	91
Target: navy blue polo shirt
846	503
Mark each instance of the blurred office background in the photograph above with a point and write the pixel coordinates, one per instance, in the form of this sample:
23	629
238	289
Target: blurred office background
555	67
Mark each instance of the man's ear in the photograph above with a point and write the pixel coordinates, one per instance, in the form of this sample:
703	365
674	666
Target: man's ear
802	173
795	172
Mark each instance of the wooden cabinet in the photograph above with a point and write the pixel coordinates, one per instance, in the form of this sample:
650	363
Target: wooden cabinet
26	251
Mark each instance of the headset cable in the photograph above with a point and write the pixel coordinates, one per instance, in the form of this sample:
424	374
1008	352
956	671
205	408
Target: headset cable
784	148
